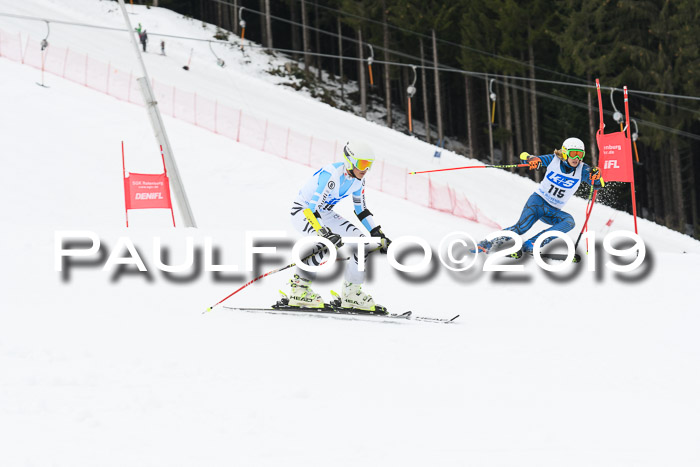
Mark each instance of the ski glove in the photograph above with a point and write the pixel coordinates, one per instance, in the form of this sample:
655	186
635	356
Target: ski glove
534	163
334	238
595	174
384	243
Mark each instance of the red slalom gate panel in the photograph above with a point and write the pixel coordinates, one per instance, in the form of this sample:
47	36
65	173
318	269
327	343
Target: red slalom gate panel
146	191
615	157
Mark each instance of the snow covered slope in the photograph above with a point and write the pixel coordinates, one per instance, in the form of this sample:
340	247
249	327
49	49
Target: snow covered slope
107	368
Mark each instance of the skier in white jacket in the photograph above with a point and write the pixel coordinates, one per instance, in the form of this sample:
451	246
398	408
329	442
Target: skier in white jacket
316	199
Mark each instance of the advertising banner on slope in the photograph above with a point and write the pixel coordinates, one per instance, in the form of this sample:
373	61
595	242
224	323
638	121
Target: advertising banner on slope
615	157
146	191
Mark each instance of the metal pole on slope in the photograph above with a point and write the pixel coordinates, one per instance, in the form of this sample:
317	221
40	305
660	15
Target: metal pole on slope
159	130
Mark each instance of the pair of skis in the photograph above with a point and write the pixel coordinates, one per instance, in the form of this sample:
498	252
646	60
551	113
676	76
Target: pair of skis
334	310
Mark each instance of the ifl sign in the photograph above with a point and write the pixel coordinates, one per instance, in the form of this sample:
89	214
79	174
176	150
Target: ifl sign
611	164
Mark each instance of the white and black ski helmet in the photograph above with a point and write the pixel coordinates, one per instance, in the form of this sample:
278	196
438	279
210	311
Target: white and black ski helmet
357	154
570	144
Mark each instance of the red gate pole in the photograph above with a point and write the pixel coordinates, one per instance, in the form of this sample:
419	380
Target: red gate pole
634	201
126	211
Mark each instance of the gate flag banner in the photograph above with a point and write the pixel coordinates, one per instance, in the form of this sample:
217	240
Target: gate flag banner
146	191
615	151
615	157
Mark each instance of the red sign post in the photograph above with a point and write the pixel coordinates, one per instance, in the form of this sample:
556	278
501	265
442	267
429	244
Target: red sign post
146	191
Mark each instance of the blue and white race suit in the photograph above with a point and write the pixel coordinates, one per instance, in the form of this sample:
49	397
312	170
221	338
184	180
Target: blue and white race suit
321	193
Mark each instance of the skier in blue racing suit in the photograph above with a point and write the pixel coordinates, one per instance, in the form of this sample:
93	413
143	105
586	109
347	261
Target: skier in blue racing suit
565	171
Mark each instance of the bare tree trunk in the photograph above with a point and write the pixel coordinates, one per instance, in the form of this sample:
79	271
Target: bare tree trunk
448	116
655	182
488	117
533	106
470	122
340	59
235	17
268	24
227	17
533	102
305	39
403	95
592	143
263	29
677	186
499	117
387	71
361	67
518	125
649	190
424	89
438	100
527	124
218	15
667	190
693	196
318	42
510	156
295	29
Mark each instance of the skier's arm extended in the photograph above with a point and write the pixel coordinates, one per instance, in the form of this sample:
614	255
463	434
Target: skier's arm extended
537	161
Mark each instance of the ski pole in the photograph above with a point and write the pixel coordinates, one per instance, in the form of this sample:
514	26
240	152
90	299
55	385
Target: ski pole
589	210
276	271
472	167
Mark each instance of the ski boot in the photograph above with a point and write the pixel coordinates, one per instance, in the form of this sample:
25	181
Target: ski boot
527	248
301	294
485	246
517	255
354	297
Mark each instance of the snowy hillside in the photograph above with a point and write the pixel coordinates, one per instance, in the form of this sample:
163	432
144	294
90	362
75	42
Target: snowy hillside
118	367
